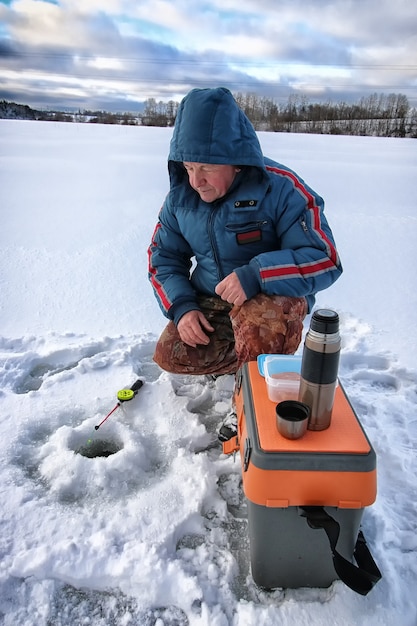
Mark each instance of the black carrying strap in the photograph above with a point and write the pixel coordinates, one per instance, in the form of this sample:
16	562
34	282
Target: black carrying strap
361	577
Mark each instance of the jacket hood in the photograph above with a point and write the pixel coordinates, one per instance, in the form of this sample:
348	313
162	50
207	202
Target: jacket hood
211	128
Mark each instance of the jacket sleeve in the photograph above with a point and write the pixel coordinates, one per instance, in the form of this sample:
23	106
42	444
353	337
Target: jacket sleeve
306	260
169	264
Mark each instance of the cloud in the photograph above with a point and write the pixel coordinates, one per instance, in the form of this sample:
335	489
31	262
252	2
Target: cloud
123	52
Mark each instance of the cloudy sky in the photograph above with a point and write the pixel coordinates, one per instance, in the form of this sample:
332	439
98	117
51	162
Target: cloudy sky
114	54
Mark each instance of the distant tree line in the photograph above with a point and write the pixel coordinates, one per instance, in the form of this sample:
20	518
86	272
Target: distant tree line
383	115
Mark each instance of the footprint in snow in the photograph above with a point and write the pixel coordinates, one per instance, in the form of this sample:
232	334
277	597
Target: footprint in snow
30	370
356	360
377	379
372	369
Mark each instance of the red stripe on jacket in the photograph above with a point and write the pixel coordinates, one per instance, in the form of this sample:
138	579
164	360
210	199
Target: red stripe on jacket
166	303
294	271
312	206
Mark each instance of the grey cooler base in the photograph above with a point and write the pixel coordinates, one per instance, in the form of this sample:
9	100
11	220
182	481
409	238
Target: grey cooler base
286	552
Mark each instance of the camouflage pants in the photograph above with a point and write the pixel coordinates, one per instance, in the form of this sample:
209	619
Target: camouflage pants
262	325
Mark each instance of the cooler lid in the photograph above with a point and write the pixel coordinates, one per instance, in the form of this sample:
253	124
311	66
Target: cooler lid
343	446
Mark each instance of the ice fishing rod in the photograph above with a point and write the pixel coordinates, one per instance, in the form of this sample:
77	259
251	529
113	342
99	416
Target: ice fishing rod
123	395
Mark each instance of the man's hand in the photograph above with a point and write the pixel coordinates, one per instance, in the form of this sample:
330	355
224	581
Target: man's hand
230	289
190	328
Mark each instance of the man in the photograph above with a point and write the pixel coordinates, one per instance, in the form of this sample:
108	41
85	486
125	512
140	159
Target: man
240	247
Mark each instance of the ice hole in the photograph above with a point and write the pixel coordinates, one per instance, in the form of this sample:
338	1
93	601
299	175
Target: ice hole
99	447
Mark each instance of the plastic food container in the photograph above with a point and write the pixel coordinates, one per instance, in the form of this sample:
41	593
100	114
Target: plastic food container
282	376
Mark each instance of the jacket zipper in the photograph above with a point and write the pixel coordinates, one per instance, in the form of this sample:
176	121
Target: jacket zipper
213	244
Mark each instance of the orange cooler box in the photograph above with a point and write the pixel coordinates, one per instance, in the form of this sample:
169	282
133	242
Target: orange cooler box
287	483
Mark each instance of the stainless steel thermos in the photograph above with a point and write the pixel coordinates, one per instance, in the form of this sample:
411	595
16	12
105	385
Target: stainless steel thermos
319	367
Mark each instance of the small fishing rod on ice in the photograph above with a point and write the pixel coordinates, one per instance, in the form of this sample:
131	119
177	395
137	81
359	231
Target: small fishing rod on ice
123	395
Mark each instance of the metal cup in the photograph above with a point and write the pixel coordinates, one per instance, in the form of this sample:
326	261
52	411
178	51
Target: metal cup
292	418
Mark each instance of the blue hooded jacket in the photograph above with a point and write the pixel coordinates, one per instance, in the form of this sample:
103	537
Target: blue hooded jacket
269	228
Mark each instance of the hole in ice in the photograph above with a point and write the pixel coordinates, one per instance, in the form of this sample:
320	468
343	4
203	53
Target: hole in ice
99	447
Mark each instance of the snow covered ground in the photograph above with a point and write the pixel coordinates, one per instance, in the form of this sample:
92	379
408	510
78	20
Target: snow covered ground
156	533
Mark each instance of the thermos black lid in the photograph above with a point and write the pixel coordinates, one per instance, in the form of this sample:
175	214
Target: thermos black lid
325	321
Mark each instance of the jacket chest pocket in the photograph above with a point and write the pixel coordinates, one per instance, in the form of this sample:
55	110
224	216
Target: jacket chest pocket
247	232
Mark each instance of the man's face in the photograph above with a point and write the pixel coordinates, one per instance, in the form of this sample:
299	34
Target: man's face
210	181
